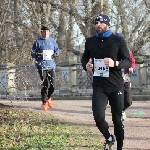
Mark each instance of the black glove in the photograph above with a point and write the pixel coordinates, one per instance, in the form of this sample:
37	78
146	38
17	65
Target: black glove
54	56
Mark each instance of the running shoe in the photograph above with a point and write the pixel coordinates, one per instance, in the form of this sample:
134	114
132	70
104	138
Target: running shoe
44	106
108	144
49	102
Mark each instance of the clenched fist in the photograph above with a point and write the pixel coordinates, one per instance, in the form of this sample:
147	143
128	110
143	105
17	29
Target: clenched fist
89	65
109	62
131	70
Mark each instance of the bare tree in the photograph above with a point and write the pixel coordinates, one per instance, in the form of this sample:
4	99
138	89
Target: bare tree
22	19
133	19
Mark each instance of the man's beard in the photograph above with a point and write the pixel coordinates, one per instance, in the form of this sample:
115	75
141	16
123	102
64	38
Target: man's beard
102	30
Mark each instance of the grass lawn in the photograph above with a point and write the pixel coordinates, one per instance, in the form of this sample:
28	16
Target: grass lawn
22	129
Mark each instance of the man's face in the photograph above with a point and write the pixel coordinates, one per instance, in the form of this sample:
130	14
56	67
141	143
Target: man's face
45	33
101	26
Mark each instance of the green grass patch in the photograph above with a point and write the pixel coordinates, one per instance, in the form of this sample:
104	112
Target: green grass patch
30	130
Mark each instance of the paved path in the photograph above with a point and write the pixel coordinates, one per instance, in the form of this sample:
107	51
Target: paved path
137	125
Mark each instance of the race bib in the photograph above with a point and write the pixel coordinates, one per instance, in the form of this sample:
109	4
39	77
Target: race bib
47	54
100	69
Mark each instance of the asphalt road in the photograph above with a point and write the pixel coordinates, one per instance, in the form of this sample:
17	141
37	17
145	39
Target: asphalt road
137	124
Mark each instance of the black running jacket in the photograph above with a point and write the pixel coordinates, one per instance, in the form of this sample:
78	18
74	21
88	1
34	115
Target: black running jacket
113	47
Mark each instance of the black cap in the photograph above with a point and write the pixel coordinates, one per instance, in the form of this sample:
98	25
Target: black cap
44	28
104	18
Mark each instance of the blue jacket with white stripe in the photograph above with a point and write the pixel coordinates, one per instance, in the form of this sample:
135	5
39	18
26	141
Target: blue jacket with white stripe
42	52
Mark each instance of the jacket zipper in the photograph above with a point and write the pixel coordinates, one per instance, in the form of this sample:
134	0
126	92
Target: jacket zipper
102	43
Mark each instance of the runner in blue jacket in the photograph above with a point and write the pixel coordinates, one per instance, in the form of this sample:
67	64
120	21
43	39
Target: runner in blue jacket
44	51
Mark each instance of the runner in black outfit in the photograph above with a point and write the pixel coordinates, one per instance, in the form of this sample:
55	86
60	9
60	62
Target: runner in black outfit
106	54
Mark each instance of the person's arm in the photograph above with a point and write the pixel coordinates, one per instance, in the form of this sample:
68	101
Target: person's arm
85	57
132	60
132	68
123	53
123	61
34	54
